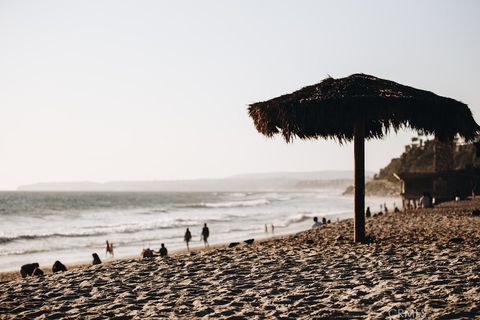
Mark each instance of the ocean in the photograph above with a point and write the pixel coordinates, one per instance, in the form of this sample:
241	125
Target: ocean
69	226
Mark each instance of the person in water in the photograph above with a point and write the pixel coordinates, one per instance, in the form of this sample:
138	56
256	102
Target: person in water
205	234
163	251
187	238
109	248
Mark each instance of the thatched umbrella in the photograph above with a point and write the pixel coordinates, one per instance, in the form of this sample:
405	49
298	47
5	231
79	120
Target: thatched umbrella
361	107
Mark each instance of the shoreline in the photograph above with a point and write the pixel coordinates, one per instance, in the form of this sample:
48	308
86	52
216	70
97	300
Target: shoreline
72	241
6	276
424	262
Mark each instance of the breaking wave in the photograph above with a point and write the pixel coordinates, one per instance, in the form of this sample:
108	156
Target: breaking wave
230	204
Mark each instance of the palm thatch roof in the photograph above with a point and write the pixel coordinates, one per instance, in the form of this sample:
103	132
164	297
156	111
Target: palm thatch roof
331	108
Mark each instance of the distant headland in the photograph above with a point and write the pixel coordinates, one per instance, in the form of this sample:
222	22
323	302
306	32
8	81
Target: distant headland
328	179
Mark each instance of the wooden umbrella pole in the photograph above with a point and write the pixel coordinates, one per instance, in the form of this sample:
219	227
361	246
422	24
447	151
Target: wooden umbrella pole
359	183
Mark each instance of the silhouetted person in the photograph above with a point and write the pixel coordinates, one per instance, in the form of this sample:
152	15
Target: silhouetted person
385	209
324	220
426	201
96	259
273	228
27	269
328	221
368	213
163	251
249	241
37	272
187	238
205	234
266	228
233	244
58	267
147	253
316	223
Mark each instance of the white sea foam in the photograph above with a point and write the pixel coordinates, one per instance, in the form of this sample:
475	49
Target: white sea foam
43	227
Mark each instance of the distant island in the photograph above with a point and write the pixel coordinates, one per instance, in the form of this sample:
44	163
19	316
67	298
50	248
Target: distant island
329	179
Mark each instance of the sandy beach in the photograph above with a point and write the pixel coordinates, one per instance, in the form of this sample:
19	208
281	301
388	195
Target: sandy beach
421	263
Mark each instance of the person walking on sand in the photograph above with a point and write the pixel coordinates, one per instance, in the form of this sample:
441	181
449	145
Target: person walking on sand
273	229
266	229
205	234
187	238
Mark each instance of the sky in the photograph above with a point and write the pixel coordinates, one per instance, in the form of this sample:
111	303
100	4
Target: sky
146	90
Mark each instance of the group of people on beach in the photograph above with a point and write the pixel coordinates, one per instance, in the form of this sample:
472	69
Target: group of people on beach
272	228
318	224
204	236
383	210
426	200
146	253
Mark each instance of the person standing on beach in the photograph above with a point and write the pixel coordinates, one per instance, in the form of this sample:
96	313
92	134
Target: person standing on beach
273	229
188	237
205	235
368	213
266	229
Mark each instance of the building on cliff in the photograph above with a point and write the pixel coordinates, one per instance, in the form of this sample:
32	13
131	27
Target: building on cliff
446	178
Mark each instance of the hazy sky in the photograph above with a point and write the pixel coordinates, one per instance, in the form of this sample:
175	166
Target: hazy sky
121	90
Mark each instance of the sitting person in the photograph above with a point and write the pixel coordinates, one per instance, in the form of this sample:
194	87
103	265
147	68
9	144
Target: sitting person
163	251
58	267
28	269
147	253
316	223
96	259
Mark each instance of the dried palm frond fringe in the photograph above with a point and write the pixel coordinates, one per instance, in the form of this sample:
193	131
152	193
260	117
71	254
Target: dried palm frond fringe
331	108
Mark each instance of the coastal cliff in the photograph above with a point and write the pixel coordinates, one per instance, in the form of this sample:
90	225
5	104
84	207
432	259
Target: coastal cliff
419	156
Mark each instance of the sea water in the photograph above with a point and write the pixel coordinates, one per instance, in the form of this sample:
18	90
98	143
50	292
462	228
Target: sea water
69	226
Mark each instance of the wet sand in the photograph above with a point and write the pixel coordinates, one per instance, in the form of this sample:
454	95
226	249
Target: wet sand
422	262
